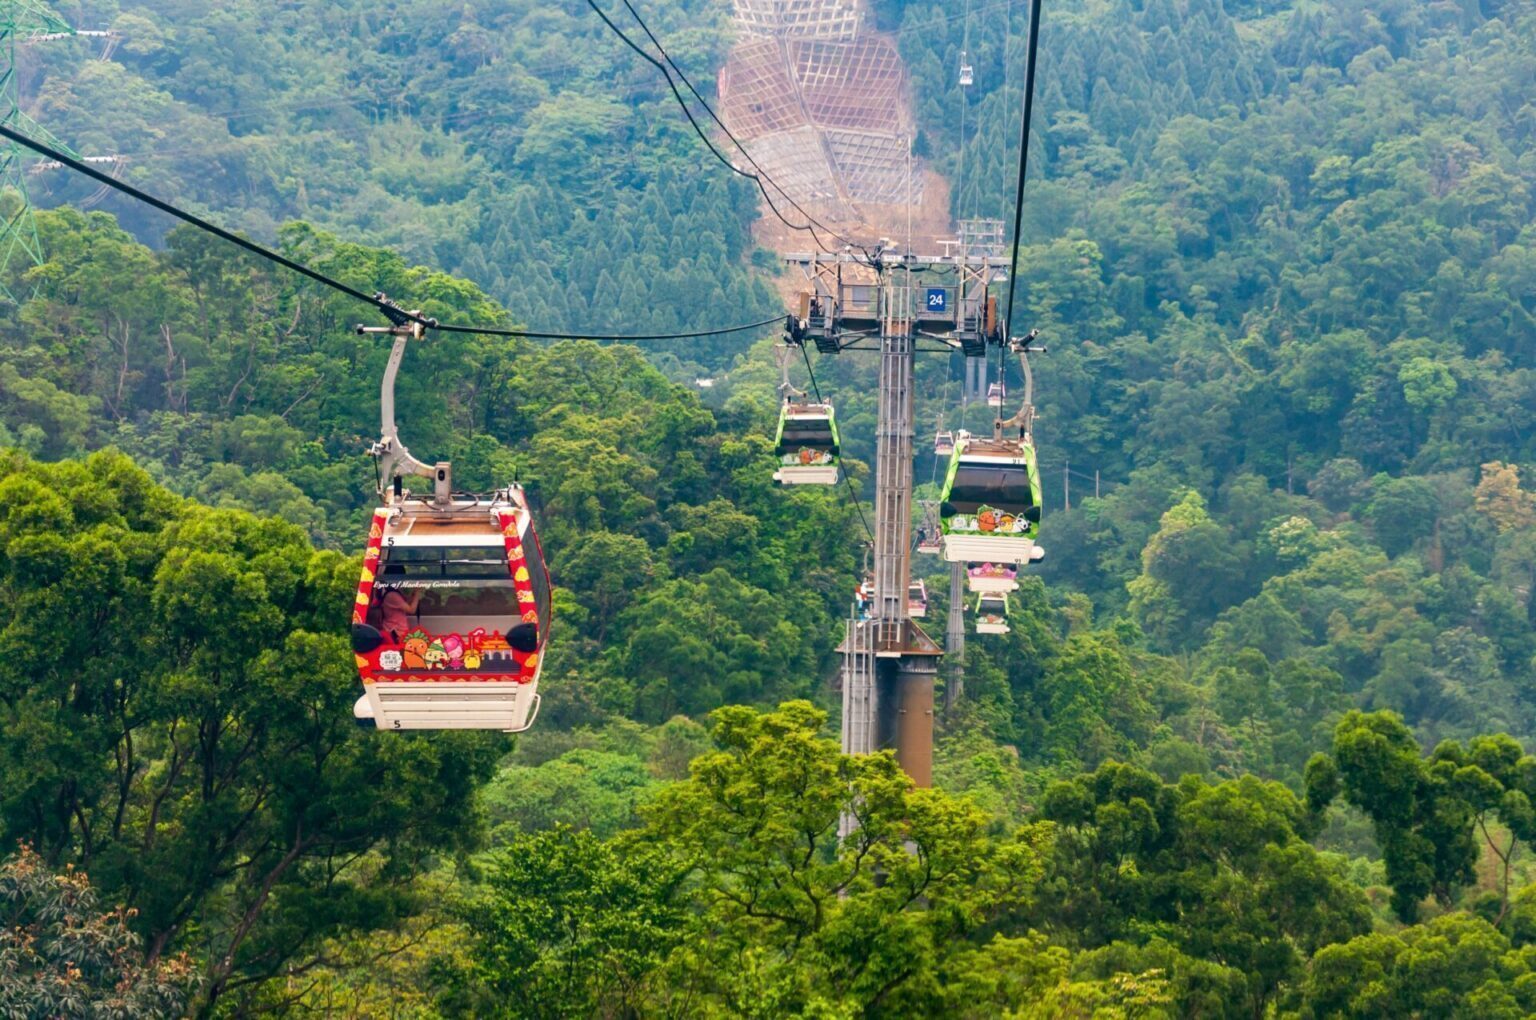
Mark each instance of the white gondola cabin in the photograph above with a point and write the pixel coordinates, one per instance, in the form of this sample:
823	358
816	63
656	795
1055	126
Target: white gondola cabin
995	395
452	611
992	614
999	578
452	616
807	445
929	542
917	599
989	511
967	73
943	443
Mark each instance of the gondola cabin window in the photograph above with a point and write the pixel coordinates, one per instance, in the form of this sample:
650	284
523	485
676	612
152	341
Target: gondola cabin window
475	611
976	486
460	587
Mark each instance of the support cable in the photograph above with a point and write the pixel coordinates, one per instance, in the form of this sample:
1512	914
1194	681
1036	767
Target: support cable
378	301
1018	199
809	225
761	175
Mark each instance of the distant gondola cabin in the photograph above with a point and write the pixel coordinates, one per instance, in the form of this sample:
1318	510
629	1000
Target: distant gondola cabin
807	445
917	599
992	614
992	577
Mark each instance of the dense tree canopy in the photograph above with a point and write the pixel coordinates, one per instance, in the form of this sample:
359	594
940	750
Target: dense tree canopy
1255	745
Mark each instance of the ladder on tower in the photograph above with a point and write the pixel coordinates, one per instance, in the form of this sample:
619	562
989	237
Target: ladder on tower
954	638
860	700
859	690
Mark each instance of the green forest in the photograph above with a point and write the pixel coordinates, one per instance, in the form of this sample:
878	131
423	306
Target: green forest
1256	745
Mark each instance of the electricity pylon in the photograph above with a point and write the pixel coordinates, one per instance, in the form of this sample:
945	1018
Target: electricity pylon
21	21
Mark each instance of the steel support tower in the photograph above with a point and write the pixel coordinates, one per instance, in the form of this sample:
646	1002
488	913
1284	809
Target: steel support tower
23	22
954	638
858	303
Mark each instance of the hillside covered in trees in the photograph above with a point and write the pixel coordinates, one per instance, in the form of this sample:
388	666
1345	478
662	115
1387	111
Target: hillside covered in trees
517	144
1254	747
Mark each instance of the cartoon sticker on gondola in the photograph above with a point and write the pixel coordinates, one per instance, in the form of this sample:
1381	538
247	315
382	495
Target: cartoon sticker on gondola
435	656
453	646
390	659
415	650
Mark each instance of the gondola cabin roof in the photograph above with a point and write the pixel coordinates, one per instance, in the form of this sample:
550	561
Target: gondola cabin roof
993	450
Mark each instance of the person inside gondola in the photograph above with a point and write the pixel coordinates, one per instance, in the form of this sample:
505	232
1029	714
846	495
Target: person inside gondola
395	611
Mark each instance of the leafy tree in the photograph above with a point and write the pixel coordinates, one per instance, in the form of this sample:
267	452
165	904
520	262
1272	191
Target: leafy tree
1189	570
1429	812
1222	871
565	924
1453	966
791	918
175	720
59	956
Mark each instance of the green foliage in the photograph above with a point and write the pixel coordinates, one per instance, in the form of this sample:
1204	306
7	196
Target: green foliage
1215	873
175	716
567	925
595	791
60	957
1454	966
1429	812
518	145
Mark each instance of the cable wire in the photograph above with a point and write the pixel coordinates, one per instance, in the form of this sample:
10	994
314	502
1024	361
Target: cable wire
757	178
392	311
532	335
1018	198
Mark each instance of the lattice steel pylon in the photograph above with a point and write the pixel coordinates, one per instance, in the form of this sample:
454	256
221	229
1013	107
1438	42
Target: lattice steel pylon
20	21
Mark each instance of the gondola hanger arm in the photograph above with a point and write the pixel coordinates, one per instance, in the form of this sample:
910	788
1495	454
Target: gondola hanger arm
395	459
784	355
1024	420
